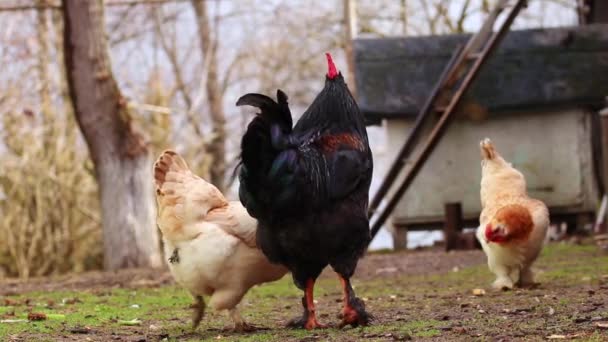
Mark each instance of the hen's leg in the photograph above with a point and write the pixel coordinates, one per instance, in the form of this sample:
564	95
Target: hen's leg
353	312
198	311
239	323
503	281
527	277
514	275
309	318
228	299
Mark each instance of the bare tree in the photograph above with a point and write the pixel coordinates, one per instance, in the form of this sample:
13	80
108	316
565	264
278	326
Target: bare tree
208	45
350	27
122	163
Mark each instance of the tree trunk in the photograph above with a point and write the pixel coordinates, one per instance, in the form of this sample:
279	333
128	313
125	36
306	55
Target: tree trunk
122	164
217	146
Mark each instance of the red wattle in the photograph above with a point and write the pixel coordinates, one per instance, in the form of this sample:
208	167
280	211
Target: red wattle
489	232
331	68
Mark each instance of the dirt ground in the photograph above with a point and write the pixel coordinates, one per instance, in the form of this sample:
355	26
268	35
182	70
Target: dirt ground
428	261
414	295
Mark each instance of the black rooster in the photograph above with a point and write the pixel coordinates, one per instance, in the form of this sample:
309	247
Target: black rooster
308	187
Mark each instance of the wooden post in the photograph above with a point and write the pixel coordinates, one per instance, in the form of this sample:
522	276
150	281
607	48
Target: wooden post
604	131
350	26
592	11
453	225
399	234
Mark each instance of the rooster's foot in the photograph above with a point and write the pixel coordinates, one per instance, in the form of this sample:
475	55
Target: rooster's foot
354	314
306	322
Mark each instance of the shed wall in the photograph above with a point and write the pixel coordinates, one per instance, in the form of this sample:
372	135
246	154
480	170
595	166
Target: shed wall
552	150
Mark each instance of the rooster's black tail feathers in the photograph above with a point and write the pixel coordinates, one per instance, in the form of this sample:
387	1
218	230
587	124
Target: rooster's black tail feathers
257	149
272	112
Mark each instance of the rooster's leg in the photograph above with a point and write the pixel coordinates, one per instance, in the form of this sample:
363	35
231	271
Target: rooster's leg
353	312
309	318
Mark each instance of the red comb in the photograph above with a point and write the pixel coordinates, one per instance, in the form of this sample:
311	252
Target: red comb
331	68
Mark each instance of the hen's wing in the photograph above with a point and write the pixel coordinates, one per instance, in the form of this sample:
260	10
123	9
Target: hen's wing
234	220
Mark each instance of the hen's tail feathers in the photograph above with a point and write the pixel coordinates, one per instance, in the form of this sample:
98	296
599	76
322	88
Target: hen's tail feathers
168	161
488	151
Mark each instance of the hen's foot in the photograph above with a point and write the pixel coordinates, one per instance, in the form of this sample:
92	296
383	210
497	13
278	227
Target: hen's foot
529	286
354	314
245	328
503	284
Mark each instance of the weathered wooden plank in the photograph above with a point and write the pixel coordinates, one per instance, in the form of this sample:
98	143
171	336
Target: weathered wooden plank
531	68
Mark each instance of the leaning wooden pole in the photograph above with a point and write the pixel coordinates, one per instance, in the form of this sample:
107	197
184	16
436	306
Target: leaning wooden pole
443	122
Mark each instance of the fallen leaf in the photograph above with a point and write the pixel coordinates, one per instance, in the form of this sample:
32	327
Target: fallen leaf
10	302
551	311
13	320
581	319
80	330
460	330
386	270
479	292
36	316
134	321
70	301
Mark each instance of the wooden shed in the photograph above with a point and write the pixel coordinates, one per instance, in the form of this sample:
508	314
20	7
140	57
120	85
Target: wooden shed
537	98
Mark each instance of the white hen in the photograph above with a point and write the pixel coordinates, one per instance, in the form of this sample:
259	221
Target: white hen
512	225
211	241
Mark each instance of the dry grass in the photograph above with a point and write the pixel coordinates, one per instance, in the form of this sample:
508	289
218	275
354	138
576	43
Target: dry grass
49	212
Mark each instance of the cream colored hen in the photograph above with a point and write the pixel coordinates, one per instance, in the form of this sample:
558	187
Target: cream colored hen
512	225
211	241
